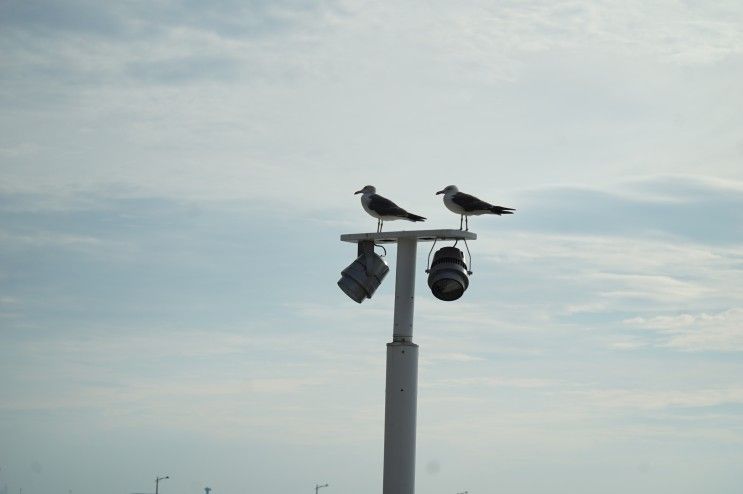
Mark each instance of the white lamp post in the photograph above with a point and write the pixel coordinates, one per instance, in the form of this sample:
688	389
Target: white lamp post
401	392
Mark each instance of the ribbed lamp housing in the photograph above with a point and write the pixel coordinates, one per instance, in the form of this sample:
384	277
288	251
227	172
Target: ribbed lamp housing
447	276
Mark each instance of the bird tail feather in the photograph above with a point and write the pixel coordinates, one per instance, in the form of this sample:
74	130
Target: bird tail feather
415	217
499	210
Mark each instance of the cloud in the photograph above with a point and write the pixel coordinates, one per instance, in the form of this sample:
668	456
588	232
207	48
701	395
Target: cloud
722	331
497	382
224	17
653	400
188	68
260	93
579	274
47	239
75	16
694	208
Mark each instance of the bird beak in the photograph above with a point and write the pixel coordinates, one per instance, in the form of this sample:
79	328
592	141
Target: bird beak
358	192
439	192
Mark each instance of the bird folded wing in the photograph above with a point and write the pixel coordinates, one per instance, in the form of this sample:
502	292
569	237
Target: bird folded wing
385	207
470	203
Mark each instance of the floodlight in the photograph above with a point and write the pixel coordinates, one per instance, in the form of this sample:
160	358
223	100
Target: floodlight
447	276
361	279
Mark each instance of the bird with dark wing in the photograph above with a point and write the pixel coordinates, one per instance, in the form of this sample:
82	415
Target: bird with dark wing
382	208
466	205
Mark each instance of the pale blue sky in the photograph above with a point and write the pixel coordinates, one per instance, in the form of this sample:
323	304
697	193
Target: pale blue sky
175	178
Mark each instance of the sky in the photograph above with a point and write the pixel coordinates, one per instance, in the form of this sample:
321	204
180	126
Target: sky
174	179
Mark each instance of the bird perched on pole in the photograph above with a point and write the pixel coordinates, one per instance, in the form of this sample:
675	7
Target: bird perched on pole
382	208
466	205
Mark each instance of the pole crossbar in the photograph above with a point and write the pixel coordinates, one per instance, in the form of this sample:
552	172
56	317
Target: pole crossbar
419	235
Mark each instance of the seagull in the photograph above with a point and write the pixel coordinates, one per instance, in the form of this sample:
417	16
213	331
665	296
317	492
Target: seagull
466	205
382	208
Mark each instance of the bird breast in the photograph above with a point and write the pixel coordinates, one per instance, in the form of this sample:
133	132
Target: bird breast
451	205
365	200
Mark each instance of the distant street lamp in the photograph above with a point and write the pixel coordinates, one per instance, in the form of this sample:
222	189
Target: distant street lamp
318	487
157	483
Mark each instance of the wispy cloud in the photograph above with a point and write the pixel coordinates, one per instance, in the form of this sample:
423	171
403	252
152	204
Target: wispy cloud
722	331
659	399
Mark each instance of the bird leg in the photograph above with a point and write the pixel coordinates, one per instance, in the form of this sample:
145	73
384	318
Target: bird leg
467	222
461	217
381	225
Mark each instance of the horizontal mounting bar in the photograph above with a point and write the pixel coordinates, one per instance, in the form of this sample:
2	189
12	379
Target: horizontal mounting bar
420	235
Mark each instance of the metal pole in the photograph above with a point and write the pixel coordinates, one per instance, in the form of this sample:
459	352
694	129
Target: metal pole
402	380
157	482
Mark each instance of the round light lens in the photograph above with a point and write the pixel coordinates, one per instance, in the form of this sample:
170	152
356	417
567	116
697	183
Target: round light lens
447	289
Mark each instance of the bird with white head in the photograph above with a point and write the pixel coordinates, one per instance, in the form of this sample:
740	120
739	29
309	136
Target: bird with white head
382	208
466	205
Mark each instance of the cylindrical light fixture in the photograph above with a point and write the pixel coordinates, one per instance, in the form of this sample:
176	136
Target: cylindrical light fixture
361	279
447	276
